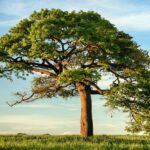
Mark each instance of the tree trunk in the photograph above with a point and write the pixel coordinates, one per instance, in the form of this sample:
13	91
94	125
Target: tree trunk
86	122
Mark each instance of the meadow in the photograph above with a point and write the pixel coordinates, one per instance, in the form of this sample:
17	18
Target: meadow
74	142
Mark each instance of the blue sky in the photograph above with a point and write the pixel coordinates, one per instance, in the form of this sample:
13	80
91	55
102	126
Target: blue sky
58	116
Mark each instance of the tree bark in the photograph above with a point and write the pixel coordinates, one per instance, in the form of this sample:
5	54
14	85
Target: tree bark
86	122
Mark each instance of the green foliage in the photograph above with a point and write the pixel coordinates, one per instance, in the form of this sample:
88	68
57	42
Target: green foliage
140	123
78	75
74	142
134	92
40	36
134	97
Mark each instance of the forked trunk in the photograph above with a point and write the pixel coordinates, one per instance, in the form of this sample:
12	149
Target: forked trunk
86	122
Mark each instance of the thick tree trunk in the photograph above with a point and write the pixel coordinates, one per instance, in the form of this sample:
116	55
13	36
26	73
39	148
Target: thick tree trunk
86	122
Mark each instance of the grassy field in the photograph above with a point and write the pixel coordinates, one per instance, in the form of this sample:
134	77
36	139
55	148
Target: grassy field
74	142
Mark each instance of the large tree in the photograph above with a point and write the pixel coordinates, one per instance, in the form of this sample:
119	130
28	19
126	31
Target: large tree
72	51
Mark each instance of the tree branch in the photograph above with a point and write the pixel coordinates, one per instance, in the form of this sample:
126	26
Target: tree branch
118	75
33	64
70	52
98	89
23	99
52	66
42	71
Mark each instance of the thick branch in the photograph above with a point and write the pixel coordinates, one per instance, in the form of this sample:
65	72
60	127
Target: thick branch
95	92
52	67
98	89
33	64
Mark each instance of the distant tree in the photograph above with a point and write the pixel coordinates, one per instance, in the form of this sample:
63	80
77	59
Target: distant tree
73	51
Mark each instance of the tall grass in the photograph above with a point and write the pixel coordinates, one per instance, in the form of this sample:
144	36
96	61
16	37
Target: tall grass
74	142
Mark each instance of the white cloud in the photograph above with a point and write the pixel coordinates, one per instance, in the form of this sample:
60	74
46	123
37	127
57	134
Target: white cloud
15	7
35	106
36	125
126	16
39	125
67	133
139	21
34	120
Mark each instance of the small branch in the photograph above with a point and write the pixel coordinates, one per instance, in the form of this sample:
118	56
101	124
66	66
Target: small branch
118	75
22	100
91	64
70	52
62	44
44	72
116	80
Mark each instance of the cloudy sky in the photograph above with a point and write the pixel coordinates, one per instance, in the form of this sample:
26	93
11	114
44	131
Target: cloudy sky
58	116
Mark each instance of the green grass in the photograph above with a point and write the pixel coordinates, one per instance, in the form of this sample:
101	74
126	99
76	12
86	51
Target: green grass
74	142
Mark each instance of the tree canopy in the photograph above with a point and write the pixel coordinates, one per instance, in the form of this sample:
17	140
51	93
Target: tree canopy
78	47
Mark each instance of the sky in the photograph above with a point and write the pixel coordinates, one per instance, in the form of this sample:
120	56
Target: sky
56	115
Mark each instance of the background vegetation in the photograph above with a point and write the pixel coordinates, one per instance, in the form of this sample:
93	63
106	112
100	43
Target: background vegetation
74	142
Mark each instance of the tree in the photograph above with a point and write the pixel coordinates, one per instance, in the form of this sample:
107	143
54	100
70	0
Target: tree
72	51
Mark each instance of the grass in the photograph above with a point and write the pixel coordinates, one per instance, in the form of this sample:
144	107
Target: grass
74	142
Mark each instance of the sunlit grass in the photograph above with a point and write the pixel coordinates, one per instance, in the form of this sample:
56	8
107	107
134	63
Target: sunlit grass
74	142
